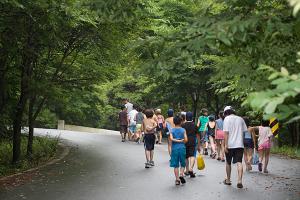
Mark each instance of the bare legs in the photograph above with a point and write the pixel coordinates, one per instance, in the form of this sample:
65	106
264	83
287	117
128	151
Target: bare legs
191	163
221	149
264	156
169	145
248	152
176	172
213	146
228	172
240	172
149	155
160	137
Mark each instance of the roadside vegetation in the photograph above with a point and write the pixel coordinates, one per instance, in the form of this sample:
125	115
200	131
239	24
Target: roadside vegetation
45	148
292	152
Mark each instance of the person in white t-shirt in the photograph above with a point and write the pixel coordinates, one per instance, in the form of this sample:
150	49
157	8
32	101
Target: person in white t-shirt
234	128
132	123
128	105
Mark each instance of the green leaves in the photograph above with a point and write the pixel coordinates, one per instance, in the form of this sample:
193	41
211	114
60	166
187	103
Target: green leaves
277	101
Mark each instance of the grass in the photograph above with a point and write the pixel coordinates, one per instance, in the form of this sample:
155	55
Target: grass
44	148
291	152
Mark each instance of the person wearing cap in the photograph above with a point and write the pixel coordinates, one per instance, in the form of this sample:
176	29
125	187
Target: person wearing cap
191	131
202	122
234	128
169	125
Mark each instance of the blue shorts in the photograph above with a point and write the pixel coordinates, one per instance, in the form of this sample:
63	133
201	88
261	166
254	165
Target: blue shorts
196	147
178	158
132	129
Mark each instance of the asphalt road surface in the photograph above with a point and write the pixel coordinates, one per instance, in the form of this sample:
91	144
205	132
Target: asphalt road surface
100	167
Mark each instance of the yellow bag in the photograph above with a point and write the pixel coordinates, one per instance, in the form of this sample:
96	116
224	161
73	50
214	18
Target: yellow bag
200	162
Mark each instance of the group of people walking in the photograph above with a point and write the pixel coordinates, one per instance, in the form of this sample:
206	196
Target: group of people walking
229	138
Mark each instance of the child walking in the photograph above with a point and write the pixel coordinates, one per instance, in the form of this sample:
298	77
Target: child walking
178	154
211	130
202	122
124	121
249	144
149	125
161	122
190	145
220	137
264	145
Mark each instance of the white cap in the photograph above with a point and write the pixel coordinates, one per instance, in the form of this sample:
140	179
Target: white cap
227	108
158	110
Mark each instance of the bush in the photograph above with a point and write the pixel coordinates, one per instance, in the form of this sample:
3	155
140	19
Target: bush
44	148
292	152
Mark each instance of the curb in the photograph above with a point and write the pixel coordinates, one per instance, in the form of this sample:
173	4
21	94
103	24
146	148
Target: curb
66	151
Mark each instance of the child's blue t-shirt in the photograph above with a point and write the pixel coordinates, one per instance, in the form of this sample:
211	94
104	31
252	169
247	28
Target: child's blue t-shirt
178	133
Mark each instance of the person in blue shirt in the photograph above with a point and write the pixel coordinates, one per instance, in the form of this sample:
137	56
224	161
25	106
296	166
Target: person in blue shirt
178	154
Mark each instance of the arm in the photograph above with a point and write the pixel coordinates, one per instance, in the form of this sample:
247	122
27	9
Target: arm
185	140
198	139
198	123
226	140
216	128
252	131
174	140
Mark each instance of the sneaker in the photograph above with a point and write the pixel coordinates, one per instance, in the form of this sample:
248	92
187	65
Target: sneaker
218	159
151	163
147	165
123	140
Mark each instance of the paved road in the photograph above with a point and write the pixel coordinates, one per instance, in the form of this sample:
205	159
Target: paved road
100	167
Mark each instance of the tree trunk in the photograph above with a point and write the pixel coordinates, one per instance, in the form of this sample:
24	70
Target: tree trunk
31	127
31	122
195	99
17	122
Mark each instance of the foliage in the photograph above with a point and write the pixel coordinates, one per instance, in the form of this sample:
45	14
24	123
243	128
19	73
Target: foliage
282	101
291	152
45	149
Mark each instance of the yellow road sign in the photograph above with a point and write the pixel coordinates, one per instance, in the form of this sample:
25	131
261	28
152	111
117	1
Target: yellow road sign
274	125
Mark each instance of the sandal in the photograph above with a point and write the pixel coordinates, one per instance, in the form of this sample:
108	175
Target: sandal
260	167
239	185
177	182
226	183
182	180
192	175
214	155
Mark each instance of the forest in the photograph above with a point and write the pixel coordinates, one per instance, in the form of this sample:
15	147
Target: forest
75	60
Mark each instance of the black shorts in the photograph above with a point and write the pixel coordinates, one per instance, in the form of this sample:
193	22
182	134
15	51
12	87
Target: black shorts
248	143
123	128
160	127
234	155
190	151
149	141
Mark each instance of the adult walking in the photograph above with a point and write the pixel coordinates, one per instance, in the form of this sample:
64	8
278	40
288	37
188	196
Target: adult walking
132	122
234	128
128	105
